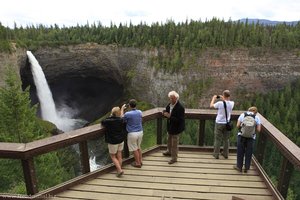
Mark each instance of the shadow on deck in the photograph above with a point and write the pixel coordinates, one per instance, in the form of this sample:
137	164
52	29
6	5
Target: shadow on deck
196	175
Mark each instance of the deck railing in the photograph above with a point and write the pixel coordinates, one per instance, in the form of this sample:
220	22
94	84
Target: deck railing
27	152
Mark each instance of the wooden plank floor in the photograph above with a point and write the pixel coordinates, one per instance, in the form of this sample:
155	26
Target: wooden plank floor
196	175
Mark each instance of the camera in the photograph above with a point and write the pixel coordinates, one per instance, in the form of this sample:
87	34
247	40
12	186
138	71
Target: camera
218	96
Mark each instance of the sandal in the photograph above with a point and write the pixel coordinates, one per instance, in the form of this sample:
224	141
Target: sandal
119	174
133	164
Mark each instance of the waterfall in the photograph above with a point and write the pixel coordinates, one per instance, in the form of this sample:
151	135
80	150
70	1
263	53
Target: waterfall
48	109
62	118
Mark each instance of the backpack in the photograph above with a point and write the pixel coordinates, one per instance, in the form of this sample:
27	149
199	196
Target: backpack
248	125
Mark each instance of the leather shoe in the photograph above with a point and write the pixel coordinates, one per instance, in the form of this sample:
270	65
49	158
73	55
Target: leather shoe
166	153
172	161
236	168
226	157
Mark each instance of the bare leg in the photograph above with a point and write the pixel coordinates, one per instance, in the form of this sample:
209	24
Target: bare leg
140	156
137	158
116	162
119	157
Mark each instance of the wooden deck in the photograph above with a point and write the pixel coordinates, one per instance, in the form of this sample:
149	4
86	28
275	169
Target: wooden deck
196	175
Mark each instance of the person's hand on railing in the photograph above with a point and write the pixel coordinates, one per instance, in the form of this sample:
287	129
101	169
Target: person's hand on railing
166	114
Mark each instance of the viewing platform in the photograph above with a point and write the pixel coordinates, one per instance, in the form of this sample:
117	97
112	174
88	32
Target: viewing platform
196	175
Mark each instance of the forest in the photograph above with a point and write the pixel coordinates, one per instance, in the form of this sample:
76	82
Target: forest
18	118
189	35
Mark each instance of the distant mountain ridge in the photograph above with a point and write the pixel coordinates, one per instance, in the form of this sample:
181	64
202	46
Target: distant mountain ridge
268	22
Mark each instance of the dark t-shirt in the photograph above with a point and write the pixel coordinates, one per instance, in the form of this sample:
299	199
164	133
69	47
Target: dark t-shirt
115	130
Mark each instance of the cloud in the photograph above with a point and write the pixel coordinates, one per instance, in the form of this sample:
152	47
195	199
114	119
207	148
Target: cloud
136	13
68	13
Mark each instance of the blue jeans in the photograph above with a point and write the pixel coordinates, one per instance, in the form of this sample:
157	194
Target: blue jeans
244	149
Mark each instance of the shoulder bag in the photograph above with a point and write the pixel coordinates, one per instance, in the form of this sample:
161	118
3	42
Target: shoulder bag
229	125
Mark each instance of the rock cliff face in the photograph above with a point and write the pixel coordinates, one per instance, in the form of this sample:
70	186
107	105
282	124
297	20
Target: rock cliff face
88	78
240	70
10	60
93	77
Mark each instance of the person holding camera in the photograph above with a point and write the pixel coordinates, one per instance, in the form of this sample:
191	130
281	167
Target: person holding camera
115	135
174	113
221	134
133	119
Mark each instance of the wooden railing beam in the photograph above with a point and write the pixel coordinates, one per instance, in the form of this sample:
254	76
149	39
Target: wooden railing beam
285	175
261	146
29	176
27	152
126	150
201	136
286	147
159	131
84	156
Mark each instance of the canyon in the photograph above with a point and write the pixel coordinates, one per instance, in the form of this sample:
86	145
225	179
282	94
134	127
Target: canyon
93	77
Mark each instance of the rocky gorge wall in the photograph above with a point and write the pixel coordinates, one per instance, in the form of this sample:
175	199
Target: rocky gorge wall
241	71
87	74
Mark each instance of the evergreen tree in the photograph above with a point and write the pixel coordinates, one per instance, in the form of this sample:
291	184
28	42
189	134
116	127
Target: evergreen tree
18	123
18	119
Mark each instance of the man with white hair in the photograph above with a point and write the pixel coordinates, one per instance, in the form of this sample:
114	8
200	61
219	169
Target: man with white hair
174	113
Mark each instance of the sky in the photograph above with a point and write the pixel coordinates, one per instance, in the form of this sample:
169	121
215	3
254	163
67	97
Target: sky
73	12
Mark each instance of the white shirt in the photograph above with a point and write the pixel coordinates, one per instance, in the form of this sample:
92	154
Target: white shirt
172	106
221	119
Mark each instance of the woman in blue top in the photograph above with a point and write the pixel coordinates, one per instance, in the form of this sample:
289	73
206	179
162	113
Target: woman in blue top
133	119
245	144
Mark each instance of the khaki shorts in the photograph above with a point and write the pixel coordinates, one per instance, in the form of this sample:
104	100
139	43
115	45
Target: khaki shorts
134	140
114	148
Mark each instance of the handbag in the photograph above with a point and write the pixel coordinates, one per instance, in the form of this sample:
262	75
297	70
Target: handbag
229	125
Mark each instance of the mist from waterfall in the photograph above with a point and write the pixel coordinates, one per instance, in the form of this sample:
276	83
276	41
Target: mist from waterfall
63	117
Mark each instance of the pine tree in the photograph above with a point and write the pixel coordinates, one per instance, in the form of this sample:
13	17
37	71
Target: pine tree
18	123
18	118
